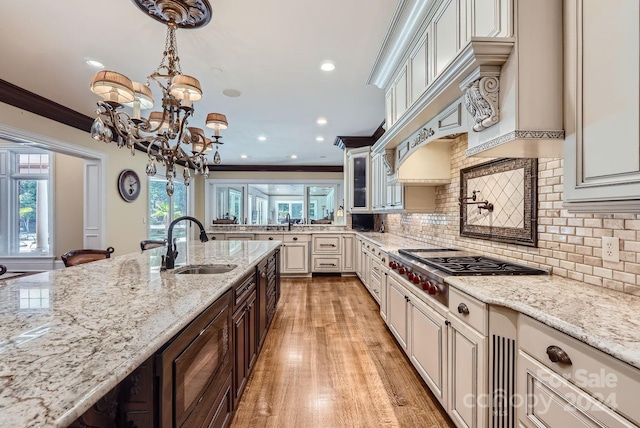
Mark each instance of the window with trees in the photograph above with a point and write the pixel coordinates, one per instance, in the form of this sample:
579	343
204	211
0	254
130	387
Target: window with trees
163	209
26	217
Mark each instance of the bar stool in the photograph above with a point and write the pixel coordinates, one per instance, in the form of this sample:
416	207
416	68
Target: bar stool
149	244
78	257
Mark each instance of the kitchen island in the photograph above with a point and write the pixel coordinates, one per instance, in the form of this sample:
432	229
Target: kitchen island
68	337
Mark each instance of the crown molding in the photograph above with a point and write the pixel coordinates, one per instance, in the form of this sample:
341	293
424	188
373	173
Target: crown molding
34	103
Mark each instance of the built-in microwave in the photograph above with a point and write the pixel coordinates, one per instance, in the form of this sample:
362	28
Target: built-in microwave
193	368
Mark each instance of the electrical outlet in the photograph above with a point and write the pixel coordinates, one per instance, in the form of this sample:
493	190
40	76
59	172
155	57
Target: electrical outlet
610	249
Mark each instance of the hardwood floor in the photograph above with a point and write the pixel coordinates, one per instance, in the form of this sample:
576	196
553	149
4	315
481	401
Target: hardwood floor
329	361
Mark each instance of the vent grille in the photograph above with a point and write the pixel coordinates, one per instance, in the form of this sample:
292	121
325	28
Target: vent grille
503	383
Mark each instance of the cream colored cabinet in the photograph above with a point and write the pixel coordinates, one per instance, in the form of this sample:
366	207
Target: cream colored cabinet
397	310
326	253
468	360
565	383
427	347
602	106
359	184
378	182
295	254
215	236
422	332
348	253
239	236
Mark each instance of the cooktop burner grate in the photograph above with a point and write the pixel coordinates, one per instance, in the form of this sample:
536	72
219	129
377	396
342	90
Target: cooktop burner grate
471	265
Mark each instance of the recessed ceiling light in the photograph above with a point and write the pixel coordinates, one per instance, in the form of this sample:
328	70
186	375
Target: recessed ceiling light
327	66
294	156
243	156
319	138
95	64
321	121
262	138
233	93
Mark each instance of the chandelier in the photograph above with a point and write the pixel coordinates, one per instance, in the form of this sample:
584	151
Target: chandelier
164	134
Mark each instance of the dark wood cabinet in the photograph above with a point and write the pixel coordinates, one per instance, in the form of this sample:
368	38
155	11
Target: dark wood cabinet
194	366
262	302
245	343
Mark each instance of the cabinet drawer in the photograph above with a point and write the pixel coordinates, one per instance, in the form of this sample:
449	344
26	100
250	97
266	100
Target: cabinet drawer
470	310
326	244
243	289
325	263
590	369
239	236
295	237
554	402
216	236
269	237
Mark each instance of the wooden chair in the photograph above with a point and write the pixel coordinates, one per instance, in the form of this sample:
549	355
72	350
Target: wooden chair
78	257
3	269
149	244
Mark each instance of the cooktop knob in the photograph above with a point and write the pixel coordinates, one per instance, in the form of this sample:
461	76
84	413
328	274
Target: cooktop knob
401	270
411	275
416	279
433	290
425	285
393	265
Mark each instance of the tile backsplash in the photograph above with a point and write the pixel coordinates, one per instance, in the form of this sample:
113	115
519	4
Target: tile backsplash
569	245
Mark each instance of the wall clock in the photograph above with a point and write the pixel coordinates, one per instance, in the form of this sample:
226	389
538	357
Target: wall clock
129	185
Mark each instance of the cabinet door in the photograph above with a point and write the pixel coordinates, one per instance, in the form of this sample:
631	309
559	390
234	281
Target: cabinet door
359	173
348	260
383	296
245	343
398	196
602	123
428	347
467	376
397	310
262	302
295	257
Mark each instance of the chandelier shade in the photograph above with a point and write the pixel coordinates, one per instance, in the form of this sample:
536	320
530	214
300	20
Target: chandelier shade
186	88
165	134
142	94
113	86
217	121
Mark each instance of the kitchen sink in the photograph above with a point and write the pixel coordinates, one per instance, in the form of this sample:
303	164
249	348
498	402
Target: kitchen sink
206	269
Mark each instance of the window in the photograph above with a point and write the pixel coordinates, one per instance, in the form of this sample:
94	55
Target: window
164	209
269	202
26	218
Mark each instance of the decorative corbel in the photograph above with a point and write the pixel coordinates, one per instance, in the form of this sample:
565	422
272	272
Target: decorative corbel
481	96
389	160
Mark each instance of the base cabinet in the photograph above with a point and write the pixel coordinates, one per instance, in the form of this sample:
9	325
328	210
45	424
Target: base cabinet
245	344
397	310
467	375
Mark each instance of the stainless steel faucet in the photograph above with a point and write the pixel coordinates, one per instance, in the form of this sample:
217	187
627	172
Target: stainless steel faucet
172	252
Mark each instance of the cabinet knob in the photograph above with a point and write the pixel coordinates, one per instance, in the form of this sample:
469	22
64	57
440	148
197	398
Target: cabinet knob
271	238
295	238
463	309
447	322
213	238
558	355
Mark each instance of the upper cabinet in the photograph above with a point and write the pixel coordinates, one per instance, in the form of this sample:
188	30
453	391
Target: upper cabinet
501	58
358	186
602	113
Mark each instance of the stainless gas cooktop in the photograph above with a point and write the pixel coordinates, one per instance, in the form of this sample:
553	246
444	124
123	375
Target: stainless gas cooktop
451	263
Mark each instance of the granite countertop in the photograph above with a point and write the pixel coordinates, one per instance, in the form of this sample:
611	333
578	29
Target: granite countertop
606	319
67	337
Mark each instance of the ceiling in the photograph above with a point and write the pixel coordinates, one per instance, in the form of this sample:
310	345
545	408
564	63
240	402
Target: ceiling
268	50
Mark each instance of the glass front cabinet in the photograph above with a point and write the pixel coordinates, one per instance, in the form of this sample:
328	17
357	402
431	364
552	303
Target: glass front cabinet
359	181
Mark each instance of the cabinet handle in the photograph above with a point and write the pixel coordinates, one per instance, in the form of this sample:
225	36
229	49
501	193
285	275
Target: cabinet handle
558	355
271	238
295	238
327	245
447	322
463	309
213	238
328	264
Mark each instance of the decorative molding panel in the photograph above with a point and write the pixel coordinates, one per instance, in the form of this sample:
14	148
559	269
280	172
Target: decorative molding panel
517	135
